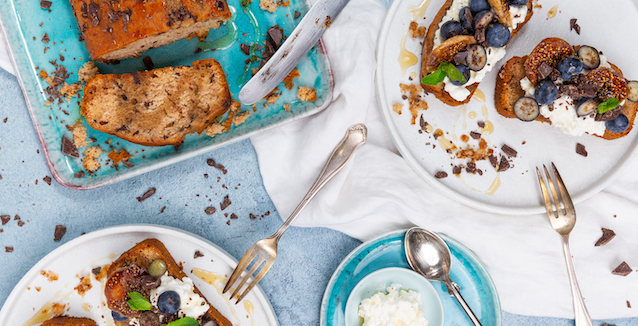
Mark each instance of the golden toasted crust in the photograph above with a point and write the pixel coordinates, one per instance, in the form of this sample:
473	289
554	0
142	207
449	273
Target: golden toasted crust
115	30
431	57
142	255
508	88
69	321
157	107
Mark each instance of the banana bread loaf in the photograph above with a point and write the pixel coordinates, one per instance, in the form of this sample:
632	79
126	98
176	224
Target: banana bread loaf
157	107
115	30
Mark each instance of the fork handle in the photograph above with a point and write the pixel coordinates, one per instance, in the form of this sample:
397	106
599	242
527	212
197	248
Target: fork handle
581	316
356	136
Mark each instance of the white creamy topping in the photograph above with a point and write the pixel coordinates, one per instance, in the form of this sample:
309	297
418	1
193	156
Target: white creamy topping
460	93
527	86
603	61
565	118
399	307
191	304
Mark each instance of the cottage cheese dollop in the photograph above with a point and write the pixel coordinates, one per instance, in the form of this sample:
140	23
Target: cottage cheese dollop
399	307
191	304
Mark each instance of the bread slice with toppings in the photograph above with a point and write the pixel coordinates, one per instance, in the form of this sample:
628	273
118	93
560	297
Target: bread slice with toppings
600	83
69	321
434	51
132	272
157	107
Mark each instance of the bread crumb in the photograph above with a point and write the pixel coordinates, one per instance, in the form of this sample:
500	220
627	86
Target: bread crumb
43	74
118	157
79	135
49	275
273	96
397	107
90	158
240	118
214	129
414	99
85	285
70	90
287	108
87	71
234	106
416	30
288	80
306	94
268	5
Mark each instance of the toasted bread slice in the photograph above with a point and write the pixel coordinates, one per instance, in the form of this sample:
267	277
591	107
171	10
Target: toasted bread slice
142	255
430	57
157	107
508	88
69	321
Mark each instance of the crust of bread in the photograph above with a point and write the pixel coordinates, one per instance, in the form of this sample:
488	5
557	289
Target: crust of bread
69	321
508	90
428	44
145	252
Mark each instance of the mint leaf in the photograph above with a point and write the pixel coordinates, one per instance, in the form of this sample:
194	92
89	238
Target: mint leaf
434	78
454	73
138	302
608	105
186	321
444	69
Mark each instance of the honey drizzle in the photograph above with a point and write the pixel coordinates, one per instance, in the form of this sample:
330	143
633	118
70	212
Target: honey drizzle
552	12
406	59
419	11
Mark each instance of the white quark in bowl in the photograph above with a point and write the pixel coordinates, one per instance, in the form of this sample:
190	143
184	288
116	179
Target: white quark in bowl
394	297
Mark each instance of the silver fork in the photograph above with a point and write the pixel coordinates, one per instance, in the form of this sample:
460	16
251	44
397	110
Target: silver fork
562	217
264	251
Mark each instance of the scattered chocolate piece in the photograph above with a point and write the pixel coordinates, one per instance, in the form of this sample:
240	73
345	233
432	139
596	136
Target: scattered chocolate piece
233	216
481	124
223	205
509	151
17	217
504	165
45	38
605	238
79	174
441	175
45	4
245	48
252	216
128	163
475	135
198	254
628	304
460	57
605	324
471	168
219	167
456	170
20	223
148	62
162	209
297	14
276	36
5	219
210	210
47	179
5	120
622	269
574	26
580	149
68	147
96	271
147	194
544	70
59	232
8	249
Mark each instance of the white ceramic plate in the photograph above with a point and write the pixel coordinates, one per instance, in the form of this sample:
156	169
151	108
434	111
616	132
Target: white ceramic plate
536	143
78	257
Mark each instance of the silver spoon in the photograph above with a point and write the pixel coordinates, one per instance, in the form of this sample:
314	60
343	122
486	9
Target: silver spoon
429	256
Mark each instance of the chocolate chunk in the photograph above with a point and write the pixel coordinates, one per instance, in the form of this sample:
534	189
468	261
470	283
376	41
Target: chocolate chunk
510	152
198	254
297	14
609	115
128	163
223	205
587	90
20	223
569	90
147	194
47	179
544	70
605	324
628	304
460	57
475	135
162	209
113	16
276	36
493	160
623	269
5	219
96	271
554	75
59	232
8	249
423	123
479	35
45	38
481	124
233	216
606	237
441	175
219	167
504	165
79	174
245	48
574	26
580	149
68	147
471	168
148	62
136	78
456	170
94	12
210	210
220	5
252	216
45	4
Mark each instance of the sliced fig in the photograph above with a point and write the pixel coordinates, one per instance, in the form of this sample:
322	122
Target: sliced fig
447	50
476	57
586	106
550	50
610	84
590	56
502	10
633	91
118	286
482	19
526	109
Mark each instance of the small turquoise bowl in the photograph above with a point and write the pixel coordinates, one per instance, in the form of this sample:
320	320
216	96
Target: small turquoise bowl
380	280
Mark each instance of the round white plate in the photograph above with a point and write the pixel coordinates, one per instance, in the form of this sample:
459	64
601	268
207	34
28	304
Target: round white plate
537	143
78	257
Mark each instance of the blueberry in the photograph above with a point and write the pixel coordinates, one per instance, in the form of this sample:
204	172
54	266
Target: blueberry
517	3
465	71
450	28
497	35
570	67
465	16
546	92
618	125
168	302
479	5
117	317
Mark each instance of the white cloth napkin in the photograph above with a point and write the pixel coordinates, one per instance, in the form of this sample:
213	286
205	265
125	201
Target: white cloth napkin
378	192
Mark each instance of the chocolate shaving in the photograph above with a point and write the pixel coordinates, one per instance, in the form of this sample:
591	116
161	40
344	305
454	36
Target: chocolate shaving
147	194
245	48
8	249
45	4
5	219
47	179
219	167
441	175
198	254
471	168
456	170
59	232
297	14
276	36
162	209
475	135
574	26
504	165
609	115
510	152
569	90
68	147
79	174
96	271
128	163
45	38
210	210
605	238
580	149
623	269
148	62
223	205
481	124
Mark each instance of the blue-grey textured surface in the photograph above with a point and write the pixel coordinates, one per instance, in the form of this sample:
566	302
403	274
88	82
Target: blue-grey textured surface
295	285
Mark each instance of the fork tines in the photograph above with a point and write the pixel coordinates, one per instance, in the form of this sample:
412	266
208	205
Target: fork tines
240	272
559	202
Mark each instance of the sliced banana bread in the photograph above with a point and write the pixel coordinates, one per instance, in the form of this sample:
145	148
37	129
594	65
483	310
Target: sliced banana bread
69	321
